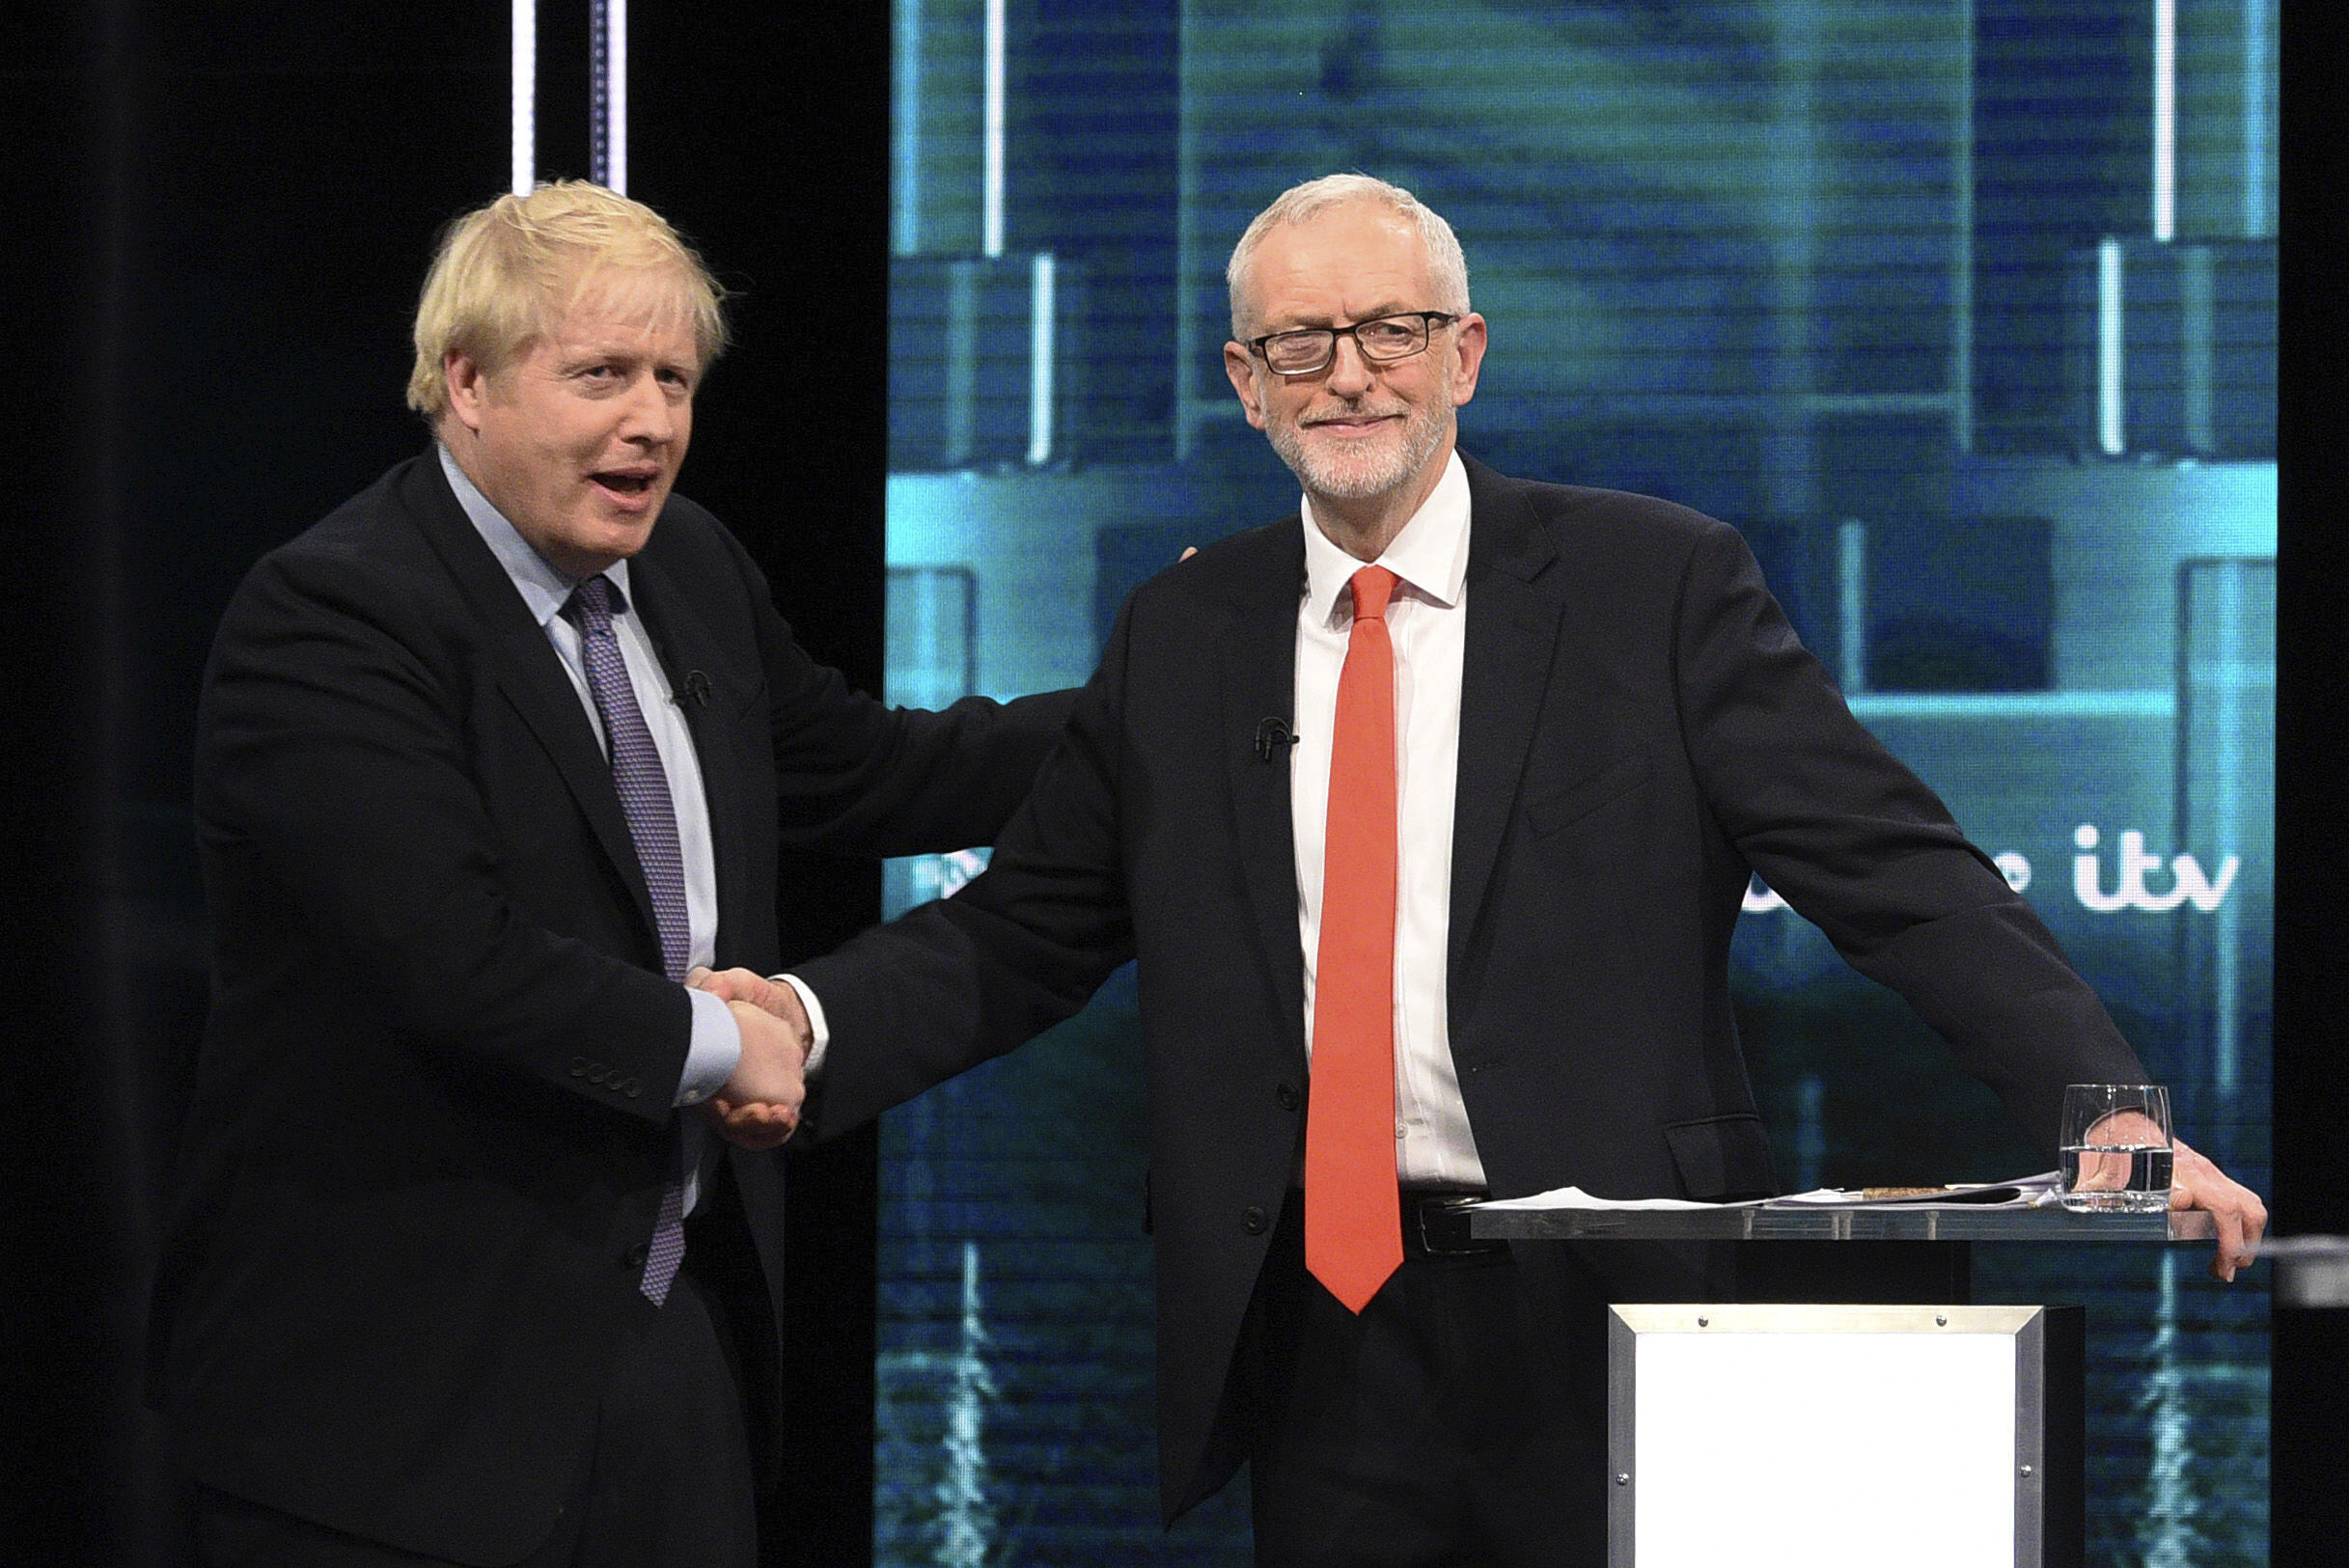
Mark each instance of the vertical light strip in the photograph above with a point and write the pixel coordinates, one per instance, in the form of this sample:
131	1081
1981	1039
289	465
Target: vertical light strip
2165	119
1851	603
608	94
962	362
1041	350
2198	347
2255	20
2226	795
616	94
1961	249
991	197
525	95
600	86
2110	435
905	133
1195	272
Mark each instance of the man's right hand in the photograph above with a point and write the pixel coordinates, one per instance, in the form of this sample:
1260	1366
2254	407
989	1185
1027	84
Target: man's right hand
758	1105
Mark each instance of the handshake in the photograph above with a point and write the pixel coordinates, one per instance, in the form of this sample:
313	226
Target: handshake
758	1105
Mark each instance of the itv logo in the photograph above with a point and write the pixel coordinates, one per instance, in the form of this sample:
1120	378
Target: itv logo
2188	883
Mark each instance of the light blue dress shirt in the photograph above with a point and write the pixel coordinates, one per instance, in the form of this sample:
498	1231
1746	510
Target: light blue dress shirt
716	1042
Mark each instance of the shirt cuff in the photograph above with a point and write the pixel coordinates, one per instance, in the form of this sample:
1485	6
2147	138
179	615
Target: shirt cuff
819	1034
713	1052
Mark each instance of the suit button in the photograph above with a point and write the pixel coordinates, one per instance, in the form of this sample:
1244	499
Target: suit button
1286	1094
1253	1221
632	1089
634	1258
579	1066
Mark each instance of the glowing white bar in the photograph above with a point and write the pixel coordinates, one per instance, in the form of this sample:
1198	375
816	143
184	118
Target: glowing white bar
1961	249
2198	356
616	94
1851	600
1040	282
905	126
2110	437
2255	119
991	197
2226	789
525	95
2165	119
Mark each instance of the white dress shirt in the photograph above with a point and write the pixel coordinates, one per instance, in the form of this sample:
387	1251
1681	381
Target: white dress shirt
1427	621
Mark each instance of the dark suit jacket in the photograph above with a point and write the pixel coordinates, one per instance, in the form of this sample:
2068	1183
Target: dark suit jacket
1640	731
433	1116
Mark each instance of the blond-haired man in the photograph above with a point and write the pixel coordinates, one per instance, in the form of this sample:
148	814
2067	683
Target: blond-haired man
489	762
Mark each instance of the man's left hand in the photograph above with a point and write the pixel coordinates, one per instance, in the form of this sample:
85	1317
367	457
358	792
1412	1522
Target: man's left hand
2195	1183
751	986
757	1109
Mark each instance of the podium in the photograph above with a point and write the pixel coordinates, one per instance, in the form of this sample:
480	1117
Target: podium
1937	1435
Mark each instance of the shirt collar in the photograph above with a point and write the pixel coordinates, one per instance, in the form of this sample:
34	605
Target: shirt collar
544	588
1431	554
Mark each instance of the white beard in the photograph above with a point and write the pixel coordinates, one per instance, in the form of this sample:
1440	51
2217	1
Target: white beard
1367	469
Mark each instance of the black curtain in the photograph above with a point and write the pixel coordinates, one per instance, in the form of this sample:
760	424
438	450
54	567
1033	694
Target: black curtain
2312	1347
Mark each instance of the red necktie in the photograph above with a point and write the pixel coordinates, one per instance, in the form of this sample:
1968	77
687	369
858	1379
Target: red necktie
1353	1227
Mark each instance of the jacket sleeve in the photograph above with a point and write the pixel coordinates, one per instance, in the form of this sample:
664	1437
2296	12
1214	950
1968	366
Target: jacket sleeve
1017	950
346	831
1864	849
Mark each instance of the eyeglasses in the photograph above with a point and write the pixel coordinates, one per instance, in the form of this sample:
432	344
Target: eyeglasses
1382	341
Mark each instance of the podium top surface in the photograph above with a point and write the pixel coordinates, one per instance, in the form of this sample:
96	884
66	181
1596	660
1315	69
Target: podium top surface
1889	1222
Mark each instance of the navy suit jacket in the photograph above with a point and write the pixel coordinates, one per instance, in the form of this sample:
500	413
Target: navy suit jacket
432	1113
1640	733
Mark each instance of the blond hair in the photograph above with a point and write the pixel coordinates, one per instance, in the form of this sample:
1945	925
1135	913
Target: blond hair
506	274
1300	203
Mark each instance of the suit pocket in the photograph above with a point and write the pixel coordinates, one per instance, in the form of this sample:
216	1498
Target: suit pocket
1578	801
1722	1157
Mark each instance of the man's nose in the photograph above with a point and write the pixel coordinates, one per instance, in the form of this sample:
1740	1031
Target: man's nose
651	416
1349	374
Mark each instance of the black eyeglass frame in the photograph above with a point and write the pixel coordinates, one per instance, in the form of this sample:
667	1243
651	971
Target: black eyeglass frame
1429	321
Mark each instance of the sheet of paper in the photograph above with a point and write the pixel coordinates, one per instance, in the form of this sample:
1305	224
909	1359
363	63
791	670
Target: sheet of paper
1574	1198
2023	1193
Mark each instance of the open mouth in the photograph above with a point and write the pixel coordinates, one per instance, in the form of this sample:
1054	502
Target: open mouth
630	485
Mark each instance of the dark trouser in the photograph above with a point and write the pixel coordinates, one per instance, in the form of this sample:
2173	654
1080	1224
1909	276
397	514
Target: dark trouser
1461	1420
669	1479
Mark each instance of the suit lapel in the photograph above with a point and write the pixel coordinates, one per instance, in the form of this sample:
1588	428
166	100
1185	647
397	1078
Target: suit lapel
516	655
1260	652
1512	636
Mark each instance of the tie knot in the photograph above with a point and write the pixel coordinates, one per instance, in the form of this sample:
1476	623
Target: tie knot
590	605
1373	586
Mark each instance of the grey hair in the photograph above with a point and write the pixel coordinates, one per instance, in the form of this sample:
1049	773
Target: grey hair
1301	203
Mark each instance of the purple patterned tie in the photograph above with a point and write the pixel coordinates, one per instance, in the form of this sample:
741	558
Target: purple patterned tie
643	796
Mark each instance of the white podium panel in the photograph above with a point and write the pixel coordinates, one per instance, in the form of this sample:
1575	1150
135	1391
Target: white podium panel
1830	1436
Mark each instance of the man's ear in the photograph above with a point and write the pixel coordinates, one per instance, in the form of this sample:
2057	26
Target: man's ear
1469	345
1241	372
468	387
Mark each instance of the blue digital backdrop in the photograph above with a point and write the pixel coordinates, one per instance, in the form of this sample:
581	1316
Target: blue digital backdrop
1962	309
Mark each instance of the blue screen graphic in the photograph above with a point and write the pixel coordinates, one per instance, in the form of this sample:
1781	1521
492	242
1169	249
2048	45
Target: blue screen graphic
1963	311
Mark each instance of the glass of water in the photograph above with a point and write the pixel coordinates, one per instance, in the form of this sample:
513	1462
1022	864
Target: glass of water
2116	1143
